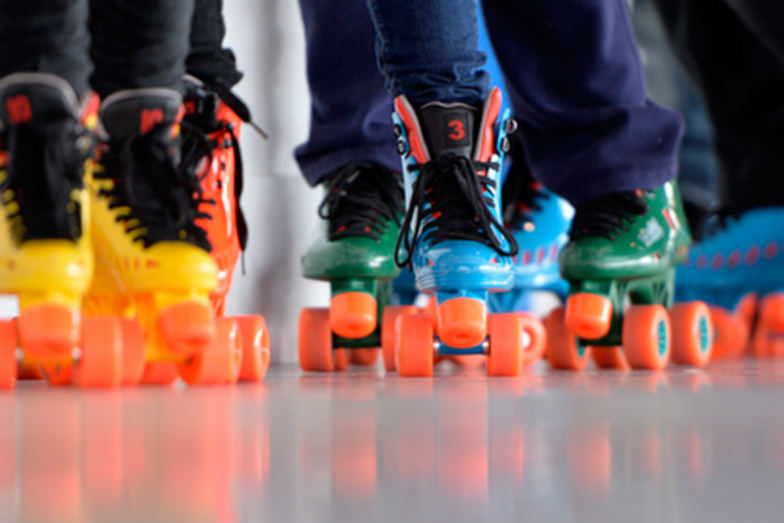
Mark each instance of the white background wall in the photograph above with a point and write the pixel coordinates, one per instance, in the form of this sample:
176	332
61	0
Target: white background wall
267	37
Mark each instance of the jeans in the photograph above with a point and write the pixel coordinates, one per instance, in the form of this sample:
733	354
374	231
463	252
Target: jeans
573	75
124	43
739	69
350	109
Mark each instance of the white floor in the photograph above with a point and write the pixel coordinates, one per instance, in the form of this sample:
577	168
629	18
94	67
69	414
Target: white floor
684	445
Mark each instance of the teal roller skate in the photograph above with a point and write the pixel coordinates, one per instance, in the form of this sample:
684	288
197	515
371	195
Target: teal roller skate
620	264
354	251
738	269
452	235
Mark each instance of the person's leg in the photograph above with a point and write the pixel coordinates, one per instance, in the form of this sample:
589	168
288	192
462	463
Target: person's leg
46	37
746	107
207	59
577	87
349	106
138	44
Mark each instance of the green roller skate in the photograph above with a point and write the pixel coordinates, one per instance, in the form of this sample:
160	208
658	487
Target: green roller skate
620	264
354	251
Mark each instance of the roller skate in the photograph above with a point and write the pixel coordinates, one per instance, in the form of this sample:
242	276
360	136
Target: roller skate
45	250
353	250
623	250
452	235
153	257
211	132
737	270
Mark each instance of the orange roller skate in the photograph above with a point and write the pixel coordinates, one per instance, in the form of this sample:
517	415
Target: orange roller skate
211	134
45	251
153	259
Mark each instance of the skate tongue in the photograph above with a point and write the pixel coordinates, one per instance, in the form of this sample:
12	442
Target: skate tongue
138	111
33	96
448	128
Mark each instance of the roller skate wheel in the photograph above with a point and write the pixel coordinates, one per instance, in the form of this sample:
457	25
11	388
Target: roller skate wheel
220	361
25	372
692	334
133	352
605	357
100	360
364	357
159	373
771	312
730	334
588	315
505	354
315	343
187	327
646	337
414	347
388	319
534	337
353	314
8	345
564	349
255	347
462	322
49	330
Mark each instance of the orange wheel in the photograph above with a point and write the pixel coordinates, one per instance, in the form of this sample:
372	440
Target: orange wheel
730	334
26	372
608	357
462	322
58	374
255	347
315	342
365	357
340	359
187	327
564	350
746	310
692	334
414	345
49	330
388	319
8	347
505	354
761	343
431	310
588	315
534	337
101	359
353	314
159	373
771	312
133	352
646	337
220	361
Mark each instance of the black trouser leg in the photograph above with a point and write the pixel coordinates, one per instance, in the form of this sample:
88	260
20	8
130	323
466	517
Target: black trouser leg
207	59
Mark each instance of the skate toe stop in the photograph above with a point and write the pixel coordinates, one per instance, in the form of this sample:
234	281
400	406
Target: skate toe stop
462	322
353	314
589	316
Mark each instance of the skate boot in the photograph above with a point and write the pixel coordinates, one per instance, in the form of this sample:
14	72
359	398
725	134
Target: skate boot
353	251
623	249
452	235
737	270
45	250
211	133
145	206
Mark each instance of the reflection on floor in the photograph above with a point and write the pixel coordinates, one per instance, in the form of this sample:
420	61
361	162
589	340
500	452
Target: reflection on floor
598	446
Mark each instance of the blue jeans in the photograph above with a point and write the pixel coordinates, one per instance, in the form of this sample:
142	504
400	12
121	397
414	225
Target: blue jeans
350	109
573	75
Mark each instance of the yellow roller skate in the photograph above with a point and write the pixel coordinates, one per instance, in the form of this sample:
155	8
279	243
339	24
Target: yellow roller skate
153	260
45	252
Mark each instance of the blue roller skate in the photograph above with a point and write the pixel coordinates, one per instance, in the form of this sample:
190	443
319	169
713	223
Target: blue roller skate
739	271
452	236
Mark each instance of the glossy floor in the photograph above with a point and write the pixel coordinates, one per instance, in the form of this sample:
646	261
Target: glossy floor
599	446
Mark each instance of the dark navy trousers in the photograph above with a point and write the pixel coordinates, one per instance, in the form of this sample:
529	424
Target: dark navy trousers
572	71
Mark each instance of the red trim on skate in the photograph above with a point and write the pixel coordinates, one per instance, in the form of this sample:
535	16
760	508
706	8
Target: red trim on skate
753	254
771	249
415	142
486	146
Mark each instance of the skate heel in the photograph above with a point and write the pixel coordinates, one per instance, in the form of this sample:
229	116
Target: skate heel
589	315
462	321
353	313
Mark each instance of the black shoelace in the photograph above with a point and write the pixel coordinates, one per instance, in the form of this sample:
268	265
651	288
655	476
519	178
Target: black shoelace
521	193
163	200
361	199
457	207
607	216
46	164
